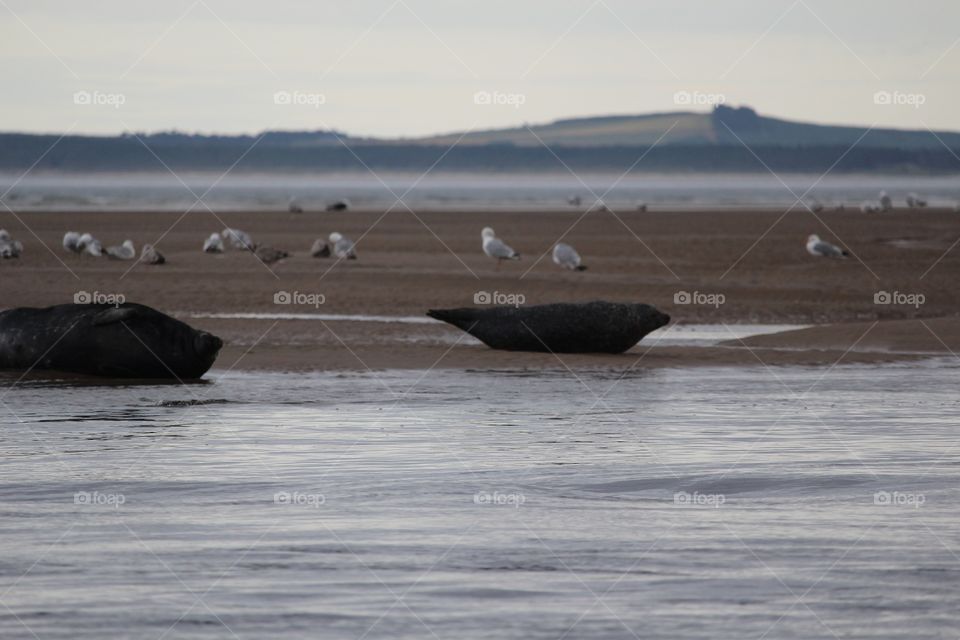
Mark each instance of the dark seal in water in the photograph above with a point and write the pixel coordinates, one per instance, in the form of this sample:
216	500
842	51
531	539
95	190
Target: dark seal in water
588	327
117	341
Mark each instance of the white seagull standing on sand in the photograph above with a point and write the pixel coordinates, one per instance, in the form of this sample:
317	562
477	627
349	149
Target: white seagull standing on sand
90	244
567	257
149	255
125	251
915	202
886	203
343	247
213	244
239	239
71	242
817	247
497	248
9	248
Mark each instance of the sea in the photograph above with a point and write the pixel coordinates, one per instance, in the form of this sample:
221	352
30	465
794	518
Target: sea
668	503
169	191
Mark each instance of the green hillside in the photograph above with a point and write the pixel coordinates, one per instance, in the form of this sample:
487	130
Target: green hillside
725	125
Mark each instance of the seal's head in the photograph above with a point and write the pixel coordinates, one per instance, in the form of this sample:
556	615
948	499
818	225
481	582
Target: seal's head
142	342
650	318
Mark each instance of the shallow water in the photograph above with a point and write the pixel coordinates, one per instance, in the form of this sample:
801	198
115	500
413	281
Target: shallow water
458	191
671	503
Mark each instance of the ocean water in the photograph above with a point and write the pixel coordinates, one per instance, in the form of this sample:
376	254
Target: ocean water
720	503
464	191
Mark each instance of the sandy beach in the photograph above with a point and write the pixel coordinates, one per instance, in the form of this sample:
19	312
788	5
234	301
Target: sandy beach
753	262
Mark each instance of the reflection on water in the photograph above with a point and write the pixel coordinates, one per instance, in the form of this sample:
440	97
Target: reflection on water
671	503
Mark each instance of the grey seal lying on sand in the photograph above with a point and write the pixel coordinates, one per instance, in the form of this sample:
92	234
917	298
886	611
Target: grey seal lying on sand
587	327
122	341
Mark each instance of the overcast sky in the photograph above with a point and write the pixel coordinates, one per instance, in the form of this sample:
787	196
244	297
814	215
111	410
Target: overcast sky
411	67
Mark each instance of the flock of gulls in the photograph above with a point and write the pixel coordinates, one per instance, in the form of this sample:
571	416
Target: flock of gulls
343	248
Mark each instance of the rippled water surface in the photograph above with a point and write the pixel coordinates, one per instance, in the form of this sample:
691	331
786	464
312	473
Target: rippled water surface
671	503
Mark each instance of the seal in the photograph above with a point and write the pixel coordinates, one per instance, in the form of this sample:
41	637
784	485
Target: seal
117	341
587	327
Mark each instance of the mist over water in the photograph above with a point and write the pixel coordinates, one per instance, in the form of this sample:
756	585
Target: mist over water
163	191
671	503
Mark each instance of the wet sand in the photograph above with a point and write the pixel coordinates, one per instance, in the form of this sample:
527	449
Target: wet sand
409	263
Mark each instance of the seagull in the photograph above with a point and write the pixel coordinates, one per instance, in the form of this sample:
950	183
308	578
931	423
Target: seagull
886	204
913	200
320	249
90	244
574	200
213	244
497	248
269	255
870	207
239	239
641	206
293	206
149	255
817	247
125	251
9	248
71	242
339	205
343	247
815	205
567	257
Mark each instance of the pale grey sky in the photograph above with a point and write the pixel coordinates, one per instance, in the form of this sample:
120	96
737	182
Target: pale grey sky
411	67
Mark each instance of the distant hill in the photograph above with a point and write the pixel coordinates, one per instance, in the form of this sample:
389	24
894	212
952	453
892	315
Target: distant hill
722	126
688	141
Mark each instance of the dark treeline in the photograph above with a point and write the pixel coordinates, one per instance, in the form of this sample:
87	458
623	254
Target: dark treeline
19	152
